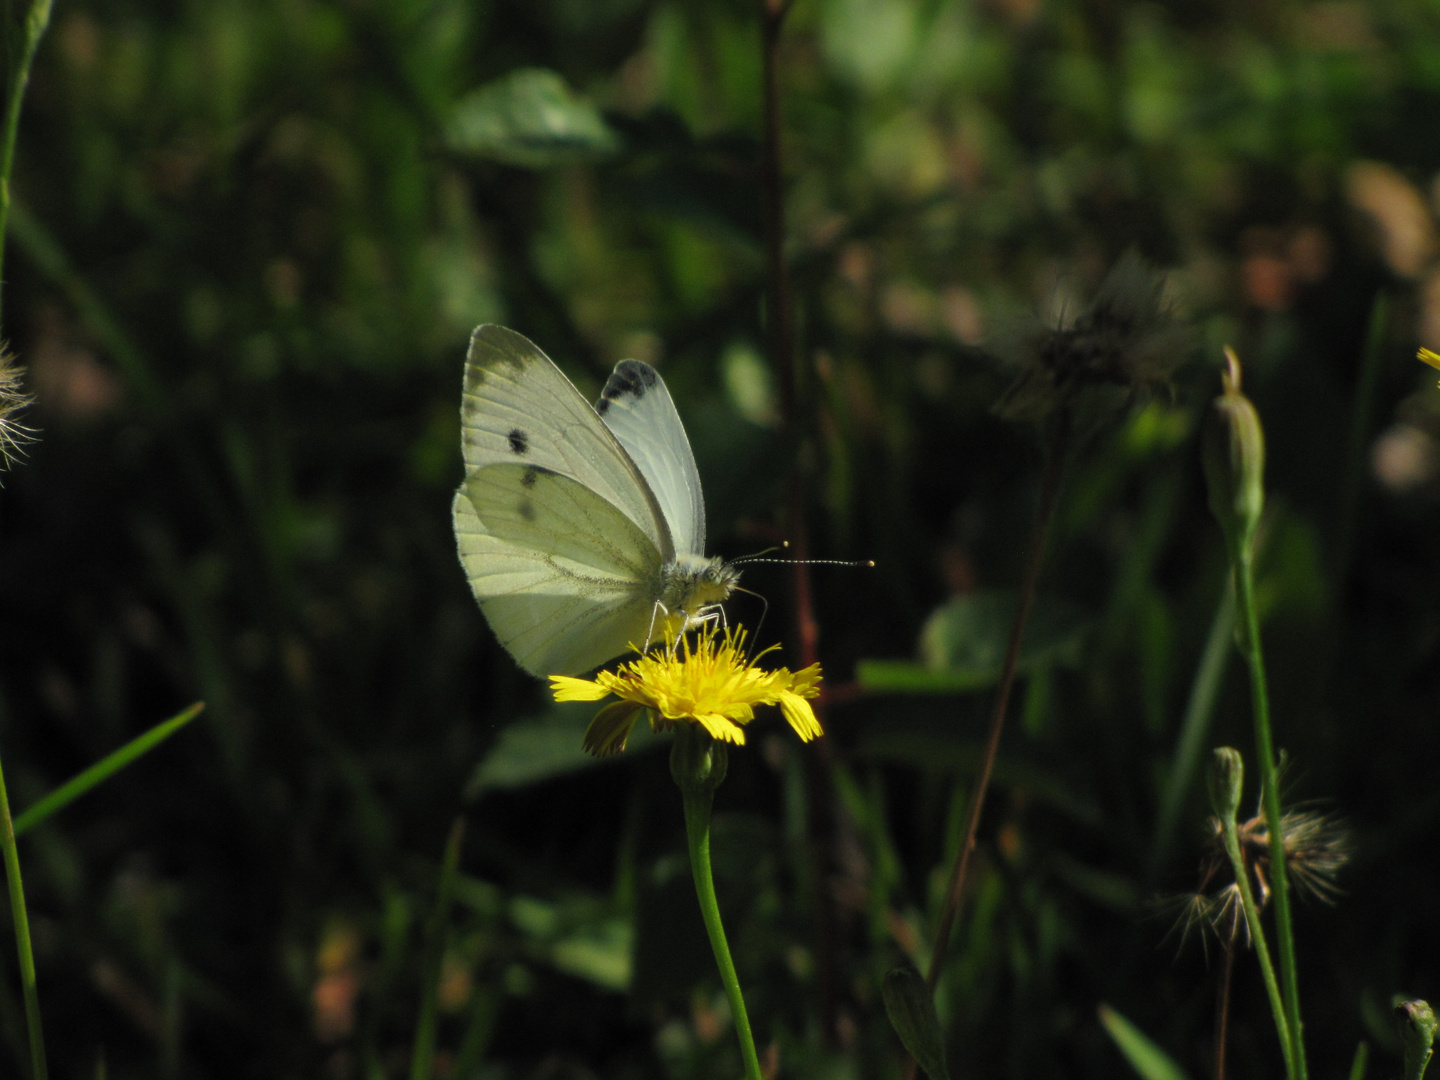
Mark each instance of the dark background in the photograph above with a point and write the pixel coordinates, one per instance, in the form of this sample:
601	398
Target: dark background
250	243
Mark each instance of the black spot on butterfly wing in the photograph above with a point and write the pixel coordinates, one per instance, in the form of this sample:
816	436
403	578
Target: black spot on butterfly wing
519	441
528	479
630	378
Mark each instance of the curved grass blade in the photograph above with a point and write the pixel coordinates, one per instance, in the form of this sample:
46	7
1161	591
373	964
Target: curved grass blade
1147	1059
103	769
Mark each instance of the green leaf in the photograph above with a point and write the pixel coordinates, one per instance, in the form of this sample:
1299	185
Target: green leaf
1144	1056
963	642
104	768
530	118
969	635
912	1014
538	749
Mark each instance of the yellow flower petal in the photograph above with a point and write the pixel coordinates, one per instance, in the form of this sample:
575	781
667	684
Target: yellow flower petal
566	688
1429	357
801	716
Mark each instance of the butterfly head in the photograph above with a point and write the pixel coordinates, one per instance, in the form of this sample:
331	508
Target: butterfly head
691	584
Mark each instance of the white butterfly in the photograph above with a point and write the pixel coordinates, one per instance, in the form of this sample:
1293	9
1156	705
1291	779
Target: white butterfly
582	530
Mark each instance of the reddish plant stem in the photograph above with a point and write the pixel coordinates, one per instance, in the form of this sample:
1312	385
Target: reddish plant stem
780	332
1045	513
1222	1002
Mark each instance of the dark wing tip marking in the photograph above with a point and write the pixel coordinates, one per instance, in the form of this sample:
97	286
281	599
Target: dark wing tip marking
630	378
519	441
491	344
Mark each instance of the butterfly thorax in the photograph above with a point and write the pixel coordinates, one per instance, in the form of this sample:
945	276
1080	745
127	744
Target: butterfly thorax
693	583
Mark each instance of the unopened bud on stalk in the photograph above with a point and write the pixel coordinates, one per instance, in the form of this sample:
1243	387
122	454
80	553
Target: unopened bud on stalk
1417	1024
1226	782
912	1014
1233	452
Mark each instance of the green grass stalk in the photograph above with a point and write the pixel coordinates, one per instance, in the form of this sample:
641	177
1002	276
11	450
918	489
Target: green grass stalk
37	18
1231	837
423	1056
106	767
1357	456
1242	558
1361	1060
23	948
1194	728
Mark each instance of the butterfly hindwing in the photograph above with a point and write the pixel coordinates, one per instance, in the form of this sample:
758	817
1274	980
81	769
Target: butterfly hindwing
564	577
636	406
519	408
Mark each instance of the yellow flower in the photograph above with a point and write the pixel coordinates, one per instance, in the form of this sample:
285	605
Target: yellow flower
1429	357
709	682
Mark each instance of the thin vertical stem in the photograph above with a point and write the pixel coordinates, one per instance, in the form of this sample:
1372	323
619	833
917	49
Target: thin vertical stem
780	339
423	1055
1056	450
1243	560
37	17
1362	409
698	801
38	1070
1222	1000
1231	838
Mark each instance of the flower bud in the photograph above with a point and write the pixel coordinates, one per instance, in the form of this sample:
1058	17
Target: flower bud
1233	453
1416	1021
912	1014
1226	782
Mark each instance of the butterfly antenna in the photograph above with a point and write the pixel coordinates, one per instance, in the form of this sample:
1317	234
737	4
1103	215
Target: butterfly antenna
784	545
766	551
808	562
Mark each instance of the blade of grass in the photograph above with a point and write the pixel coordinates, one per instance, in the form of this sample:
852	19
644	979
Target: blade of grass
36	18
23	949
424	1053
1356	457
103	769
1144	1056
1195	727
1362	1059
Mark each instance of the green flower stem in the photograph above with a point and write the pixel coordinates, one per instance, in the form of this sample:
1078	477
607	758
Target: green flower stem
1231	837
22	937
698	769
1244	564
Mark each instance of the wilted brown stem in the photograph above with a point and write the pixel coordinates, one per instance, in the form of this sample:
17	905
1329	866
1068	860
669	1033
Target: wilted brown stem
1056	448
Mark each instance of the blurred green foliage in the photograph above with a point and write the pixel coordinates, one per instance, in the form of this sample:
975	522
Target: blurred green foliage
250	242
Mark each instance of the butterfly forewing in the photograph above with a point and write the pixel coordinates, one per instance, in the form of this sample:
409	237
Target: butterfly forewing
519	408
636	406
565	579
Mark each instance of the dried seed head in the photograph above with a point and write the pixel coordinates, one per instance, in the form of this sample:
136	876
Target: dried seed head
14	435
1122	347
